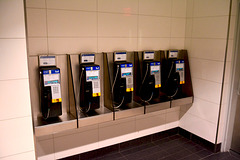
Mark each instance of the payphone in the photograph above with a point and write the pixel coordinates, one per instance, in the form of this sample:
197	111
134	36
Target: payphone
50	87
174	68
151	77
122	87
89	83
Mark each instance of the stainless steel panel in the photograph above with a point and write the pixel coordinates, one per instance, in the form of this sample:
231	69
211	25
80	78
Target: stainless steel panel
64	122
182	101
100	115
133	109
157	107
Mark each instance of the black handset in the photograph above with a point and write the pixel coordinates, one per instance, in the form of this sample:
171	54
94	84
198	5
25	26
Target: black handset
89	84
51	101
175	74
122	87
151	77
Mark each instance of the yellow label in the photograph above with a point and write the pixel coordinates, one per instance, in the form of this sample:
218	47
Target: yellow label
157	85
96	94
182	82
56	100
129	89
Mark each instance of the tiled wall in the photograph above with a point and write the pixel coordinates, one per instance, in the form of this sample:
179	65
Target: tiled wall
206	37
74	26
16	140
63	26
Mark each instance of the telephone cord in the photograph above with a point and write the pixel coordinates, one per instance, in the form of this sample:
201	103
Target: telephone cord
168	79
47	114
116	107
80	81
146	101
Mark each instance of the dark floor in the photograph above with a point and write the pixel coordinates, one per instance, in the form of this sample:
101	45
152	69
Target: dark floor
175	147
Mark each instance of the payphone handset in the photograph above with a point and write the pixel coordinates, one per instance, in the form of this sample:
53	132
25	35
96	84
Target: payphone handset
176	73
50	87
151	81
122	87
89	83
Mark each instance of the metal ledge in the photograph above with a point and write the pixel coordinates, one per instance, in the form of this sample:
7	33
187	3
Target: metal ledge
94	117
62	123
182	101
157	107
132	109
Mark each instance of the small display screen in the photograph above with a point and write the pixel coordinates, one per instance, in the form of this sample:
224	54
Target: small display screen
126	74
92	77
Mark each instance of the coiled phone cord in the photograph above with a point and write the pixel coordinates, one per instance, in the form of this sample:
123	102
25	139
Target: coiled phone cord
146	101
114	86
89	104
47	114
171	96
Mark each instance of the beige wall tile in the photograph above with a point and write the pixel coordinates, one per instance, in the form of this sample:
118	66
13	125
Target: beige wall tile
207	90
37	46
155	7
13	62
204	128
118	6
189	8
13	23
206	69
177	43
178	26
27	155
36	4
117	25
204	8
63	23
214	49
188	27
36	22
16	136
14	101
114	44
72	45
206	110
89	5
150	26
153	43
210	27
179	8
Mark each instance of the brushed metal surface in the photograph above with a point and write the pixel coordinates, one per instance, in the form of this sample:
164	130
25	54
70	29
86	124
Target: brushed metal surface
95	117
132	109
64	122
182	101
157	107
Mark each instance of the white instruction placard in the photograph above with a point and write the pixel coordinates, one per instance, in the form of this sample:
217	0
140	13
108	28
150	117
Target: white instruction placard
47	61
